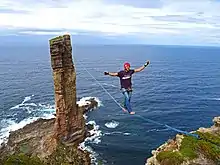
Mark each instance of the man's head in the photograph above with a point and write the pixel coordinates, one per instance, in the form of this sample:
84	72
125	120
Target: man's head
127	66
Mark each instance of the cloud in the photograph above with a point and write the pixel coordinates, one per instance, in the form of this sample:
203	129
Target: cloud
138	3
5	10
198	21
46	32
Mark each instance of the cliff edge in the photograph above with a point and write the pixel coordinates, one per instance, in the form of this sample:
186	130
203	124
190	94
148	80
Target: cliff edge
188	150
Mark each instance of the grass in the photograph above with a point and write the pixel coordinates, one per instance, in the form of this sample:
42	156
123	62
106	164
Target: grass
210	137
63	155
208	145
188	147
22	159
56	38
169	157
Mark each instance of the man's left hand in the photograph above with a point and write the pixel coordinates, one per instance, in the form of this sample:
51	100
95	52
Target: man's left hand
147	63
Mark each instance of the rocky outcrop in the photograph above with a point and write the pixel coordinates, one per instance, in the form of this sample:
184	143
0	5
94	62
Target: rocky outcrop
34	140
54	141
69	124
186	150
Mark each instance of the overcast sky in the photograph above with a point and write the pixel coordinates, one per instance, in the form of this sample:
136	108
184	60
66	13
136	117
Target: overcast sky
153	21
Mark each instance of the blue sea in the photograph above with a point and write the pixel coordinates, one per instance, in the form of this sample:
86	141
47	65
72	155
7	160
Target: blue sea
180	88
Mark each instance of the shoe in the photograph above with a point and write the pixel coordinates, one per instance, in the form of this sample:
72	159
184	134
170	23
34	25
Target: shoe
132	113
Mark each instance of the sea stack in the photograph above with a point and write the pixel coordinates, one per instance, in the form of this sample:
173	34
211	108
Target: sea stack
69	123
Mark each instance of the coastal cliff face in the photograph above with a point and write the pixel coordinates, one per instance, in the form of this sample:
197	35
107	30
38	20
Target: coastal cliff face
185	150
54	141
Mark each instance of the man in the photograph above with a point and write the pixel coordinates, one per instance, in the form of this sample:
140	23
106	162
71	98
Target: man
126	84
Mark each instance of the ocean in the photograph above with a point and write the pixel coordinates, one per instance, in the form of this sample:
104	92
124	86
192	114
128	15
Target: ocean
180	88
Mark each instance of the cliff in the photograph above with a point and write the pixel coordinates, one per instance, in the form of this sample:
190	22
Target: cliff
187	150
54	141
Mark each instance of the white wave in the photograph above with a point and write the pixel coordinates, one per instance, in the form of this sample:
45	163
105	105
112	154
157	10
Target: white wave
47	110
47	106
4	132
85	101
28	98
93	154
95	138
11	125
85	116
112	133
30	107
210	98
30	104
23	103
24	107
48	116
95	132
116	132
15	107
112	124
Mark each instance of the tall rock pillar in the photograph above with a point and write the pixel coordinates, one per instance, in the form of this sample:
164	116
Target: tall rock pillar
69	124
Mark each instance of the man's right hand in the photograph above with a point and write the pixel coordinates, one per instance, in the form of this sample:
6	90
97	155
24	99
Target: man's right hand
106	73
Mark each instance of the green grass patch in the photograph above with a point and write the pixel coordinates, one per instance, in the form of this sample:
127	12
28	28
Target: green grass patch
22	159
54	39
65	155
169	157
208	145
211	151
210	137
188	147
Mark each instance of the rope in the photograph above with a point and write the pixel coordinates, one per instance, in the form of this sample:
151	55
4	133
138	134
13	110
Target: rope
102	87
145	119
169	127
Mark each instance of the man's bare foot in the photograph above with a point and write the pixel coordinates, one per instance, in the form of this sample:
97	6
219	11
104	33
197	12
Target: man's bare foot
132	113
125	110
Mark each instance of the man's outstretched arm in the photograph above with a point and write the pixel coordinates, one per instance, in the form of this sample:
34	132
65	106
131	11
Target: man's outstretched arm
142	67
111	73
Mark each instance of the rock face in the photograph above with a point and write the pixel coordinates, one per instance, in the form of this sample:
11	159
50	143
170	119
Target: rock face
69	124
185	150
34	138
54	141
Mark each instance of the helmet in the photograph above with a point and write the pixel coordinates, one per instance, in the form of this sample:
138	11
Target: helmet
126	65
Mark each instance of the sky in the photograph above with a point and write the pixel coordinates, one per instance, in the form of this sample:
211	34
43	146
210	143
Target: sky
181	22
